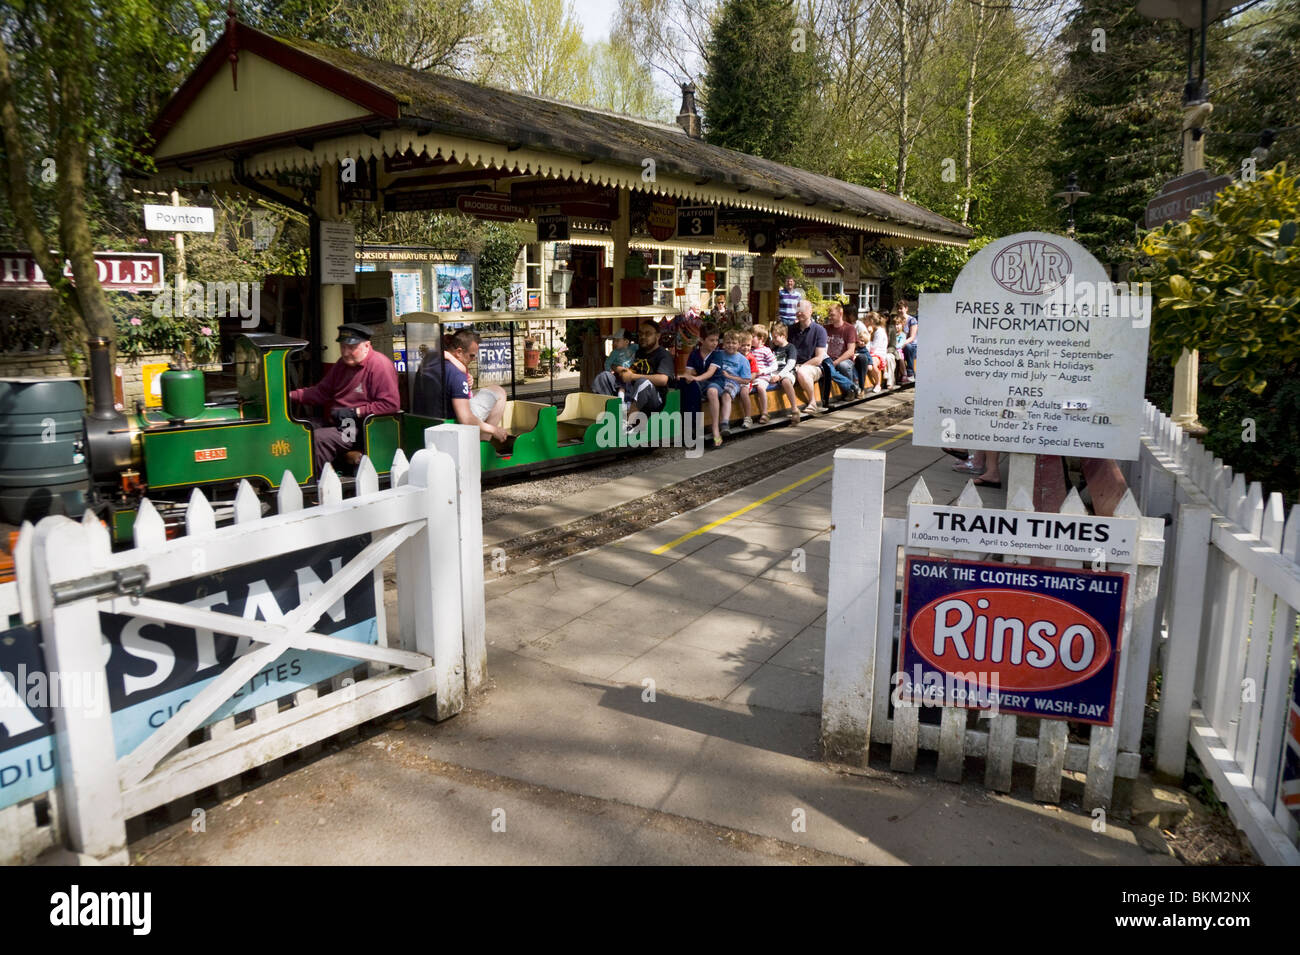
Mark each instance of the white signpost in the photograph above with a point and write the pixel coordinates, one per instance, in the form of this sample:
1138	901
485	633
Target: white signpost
1035	351
178	219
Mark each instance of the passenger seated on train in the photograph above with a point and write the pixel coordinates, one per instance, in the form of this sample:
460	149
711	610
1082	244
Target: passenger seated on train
645	382
361	383
622	353
484	410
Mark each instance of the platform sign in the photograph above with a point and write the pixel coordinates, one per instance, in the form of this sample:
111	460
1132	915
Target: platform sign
696	222
1036	641
552	228
178	218
155	669
1034	351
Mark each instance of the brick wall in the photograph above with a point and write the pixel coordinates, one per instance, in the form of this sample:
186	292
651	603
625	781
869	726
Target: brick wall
37	365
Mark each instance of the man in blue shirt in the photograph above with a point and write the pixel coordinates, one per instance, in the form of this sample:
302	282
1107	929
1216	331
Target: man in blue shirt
788	300
809	341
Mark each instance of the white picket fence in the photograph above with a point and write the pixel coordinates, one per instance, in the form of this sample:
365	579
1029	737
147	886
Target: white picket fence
866	562
66	576
1229	603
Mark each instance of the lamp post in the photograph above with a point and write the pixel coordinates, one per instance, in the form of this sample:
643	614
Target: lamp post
1071	195
1192	14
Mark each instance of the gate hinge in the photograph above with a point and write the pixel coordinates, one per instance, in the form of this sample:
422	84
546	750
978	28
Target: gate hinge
128	582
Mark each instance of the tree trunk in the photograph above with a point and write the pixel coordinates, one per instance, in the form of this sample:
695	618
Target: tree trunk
968	171
904	54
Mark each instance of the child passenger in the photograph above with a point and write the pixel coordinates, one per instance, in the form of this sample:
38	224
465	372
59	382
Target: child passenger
787	357
729	373
623	353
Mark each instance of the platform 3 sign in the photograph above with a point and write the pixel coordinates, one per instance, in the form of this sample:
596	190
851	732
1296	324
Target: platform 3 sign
153	669
1031	640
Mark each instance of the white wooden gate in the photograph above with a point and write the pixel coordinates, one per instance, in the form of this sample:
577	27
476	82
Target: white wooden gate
68	576
865	565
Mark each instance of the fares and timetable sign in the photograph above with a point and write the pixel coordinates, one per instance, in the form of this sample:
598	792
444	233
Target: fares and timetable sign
1035	351
1028	533
1038	641
154	669
117	271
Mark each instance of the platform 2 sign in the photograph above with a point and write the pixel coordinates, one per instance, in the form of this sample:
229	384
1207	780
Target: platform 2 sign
1036	641
154	670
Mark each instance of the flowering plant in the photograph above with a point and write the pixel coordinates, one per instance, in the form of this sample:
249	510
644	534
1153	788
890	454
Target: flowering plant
147	332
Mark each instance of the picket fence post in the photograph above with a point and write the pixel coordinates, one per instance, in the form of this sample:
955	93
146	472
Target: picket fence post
461	442
848	684
90	797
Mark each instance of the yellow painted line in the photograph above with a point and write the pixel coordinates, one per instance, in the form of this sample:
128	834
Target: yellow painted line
664	548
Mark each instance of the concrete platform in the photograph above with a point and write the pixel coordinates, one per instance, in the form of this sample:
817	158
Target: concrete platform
653	701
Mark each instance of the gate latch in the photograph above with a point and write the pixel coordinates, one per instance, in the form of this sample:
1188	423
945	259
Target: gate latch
128	582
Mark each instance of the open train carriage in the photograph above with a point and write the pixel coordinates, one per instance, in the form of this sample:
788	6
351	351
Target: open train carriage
589	426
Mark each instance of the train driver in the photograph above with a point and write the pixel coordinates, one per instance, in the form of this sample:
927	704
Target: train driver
362	382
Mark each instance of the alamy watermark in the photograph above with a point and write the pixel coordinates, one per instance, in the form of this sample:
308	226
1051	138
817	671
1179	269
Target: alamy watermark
639	430
210	300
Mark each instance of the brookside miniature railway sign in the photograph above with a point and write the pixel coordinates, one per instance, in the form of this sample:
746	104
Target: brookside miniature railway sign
1183	195
1033	351
1031	640
1112	540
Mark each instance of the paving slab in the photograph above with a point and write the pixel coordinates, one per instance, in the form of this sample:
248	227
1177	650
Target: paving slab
685	671
736	634
778	688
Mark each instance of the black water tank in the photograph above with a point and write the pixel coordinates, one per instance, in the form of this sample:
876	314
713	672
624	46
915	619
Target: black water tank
42	462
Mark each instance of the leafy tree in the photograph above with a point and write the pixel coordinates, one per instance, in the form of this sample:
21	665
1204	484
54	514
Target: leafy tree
760	78
77	86
1227	282
619	82
1120	126
536	46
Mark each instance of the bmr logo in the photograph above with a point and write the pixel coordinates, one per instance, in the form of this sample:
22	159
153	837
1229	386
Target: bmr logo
1032	267
1029	641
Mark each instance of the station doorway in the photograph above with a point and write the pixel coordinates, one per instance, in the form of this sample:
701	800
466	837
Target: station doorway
590	283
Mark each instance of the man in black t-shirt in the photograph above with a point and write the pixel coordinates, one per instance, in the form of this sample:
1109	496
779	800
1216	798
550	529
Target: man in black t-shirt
646	382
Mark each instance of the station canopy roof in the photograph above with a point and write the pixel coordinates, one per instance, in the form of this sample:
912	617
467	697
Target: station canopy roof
285	106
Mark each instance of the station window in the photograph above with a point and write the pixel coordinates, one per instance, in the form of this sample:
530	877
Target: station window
831	288
533	275
869	297
715	262
661	266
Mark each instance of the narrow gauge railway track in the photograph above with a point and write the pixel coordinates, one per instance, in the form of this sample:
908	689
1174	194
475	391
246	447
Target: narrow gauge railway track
543	547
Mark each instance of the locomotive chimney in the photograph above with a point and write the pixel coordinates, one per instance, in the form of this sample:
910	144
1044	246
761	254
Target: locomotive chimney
689	118
101	380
